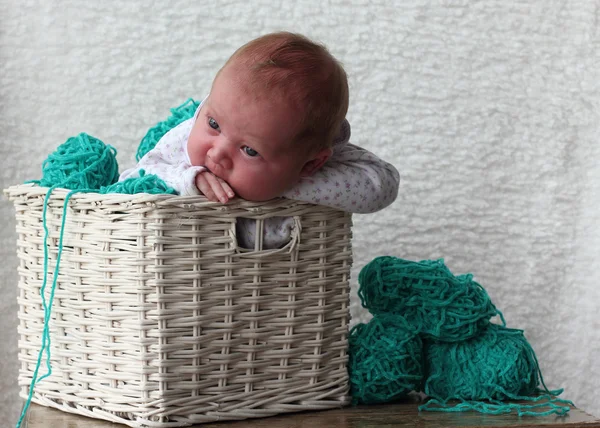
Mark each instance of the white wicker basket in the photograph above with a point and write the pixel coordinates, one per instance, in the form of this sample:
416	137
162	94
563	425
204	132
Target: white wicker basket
161	320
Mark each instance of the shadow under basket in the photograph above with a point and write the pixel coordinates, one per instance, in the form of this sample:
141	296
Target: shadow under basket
160	319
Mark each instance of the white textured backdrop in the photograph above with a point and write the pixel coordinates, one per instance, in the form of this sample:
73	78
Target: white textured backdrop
489	109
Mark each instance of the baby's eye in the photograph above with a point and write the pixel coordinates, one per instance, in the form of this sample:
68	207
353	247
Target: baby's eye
250	151
213	123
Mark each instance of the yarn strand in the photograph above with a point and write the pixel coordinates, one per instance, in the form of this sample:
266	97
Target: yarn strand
47	305
556	406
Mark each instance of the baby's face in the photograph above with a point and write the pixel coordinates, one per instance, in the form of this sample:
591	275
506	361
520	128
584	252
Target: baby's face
247	143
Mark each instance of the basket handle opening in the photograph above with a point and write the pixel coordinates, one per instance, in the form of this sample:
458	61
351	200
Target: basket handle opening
260	237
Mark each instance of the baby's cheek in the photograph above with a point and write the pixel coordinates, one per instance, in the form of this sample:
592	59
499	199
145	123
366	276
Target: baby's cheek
195	154
248	192
253	189
196	147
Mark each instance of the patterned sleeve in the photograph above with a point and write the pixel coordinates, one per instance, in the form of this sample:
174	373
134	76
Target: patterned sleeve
352	180
168	160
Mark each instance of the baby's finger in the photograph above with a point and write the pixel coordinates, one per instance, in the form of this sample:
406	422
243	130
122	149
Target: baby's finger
217	188
227	188
204	187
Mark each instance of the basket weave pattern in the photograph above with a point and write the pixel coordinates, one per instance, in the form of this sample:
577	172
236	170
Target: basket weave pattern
159	319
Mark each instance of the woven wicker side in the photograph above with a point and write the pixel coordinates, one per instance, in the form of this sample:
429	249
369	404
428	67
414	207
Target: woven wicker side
160	319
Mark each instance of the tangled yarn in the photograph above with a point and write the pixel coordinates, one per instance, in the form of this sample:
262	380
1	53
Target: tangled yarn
440	305
386	361
421	308
145	183
178	115
498	364
81	162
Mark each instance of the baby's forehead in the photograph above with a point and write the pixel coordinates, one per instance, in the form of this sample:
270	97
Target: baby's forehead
244	91
262	82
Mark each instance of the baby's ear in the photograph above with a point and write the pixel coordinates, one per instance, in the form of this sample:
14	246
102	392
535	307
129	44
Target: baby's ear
316	162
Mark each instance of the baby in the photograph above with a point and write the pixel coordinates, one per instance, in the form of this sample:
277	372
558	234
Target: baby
273	125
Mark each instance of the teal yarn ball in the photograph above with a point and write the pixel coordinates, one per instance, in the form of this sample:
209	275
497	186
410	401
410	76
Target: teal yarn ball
145	183
499	364
385	360
178	115
81	162
437	303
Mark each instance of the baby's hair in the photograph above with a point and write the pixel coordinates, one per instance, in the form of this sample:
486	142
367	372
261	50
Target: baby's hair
306	74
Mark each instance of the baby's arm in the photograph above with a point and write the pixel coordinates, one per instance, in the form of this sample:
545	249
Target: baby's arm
352	180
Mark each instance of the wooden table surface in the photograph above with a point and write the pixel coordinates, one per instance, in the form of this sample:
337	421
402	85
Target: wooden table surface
388	416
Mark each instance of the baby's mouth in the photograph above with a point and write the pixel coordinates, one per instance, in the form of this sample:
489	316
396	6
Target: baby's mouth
210	165
214	168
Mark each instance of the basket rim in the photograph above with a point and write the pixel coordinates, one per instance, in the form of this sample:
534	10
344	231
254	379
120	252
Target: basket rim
32	190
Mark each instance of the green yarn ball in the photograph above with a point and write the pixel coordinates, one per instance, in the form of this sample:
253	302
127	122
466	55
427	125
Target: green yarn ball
437	303
81	162
499	364
385	360
145	183
178	115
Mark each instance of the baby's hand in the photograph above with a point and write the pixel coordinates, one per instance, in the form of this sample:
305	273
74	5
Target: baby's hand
213	187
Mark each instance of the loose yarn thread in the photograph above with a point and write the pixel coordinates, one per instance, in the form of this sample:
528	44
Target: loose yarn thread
81	164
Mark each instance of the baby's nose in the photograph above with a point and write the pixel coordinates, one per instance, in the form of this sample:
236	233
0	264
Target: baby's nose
220	157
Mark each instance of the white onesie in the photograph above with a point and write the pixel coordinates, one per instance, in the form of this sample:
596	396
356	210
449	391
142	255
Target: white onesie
353	180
